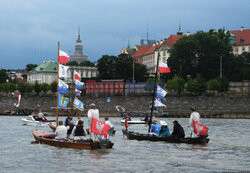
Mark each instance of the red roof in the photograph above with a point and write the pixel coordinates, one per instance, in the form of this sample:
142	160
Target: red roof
151	49
141	51
171	40
242	37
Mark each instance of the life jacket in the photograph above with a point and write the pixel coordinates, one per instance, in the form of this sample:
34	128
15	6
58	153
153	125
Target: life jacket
79	131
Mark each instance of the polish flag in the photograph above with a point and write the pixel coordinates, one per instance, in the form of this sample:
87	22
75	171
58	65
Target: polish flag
200	129
63	57
163	68
77	75
99	127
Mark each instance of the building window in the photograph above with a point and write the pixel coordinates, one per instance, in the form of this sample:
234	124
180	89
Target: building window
236	49
243	49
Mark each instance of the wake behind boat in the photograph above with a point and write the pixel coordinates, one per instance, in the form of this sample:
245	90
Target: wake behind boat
35	120
43	138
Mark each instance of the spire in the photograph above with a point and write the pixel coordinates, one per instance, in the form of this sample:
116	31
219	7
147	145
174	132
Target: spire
179	30
128	44
79	33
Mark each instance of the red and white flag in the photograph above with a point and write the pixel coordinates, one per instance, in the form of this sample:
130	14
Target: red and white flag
99	127
163	68
200	129
77	75
63	57
18	100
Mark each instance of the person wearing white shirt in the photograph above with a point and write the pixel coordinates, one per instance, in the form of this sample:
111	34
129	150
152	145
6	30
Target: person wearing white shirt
61	131
193	116
93	112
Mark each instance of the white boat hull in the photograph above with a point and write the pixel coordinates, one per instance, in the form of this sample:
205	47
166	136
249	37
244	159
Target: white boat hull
134	122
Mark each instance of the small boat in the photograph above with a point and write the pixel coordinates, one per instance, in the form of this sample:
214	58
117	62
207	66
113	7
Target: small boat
134	121
35	120
44	138
149	137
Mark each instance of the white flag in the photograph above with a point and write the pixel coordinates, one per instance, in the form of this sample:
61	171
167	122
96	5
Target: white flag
159	104
160	93
63	70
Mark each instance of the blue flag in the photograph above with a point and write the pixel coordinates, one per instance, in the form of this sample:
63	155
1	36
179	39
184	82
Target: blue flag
78	104
62	101
160	93
79	85
62	87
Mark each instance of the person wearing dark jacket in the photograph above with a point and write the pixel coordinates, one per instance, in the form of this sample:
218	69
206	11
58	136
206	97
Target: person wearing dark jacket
178	130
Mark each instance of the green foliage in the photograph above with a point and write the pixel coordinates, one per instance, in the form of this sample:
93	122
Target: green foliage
196	86
87	63
45	87
72	63
224	82
53	86
200	54
176	84
25	87
3	76
214	85
7	87
30	67
121	67
37	87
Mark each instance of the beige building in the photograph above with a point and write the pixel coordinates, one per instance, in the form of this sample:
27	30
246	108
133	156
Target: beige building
240	41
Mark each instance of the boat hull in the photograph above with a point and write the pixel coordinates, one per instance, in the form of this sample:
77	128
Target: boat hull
134	122
38	135
139	136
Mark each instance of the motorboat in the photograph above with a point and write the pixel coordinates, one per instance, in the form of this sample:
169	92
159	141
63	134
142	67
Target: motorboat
35	120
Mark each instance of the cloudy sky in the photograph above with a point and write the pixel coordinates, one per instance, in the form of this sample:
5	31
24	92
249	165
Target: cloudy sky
31	29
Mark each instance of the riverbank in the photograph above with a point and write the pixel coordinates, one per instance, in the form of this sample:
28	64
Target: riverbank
208	107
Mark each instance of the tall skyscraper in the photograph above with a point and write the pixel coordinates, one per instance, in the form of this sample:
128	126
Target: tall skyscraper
79	56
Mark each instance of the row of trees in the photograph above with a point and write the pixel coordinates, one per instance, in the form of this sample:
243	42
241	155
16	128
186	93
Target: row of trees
27	88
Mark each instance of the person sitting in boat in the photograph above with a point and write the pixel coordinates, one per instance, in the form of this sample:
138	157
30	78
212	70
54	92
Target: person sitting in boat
70	127
78	131
66	122
109	123
164	129
155	128
41	116
78	119
61	131
178	130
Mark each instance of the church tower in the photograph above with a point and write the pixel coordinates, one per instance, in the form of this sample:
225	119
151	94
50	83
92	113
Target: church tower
79	56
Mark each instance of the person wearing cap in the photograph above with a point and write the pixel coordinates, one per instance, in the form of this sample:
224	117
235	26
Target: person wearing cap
93	112
164	129
193	116
155	128
178	131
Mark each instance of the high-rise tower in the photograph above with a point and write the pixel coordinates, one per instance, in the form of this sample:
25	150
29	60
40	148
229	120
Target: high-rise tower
79	56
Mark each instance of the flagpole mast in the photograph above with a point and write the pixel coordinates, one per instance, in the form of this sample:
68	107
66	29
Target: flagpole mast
57	83
153	98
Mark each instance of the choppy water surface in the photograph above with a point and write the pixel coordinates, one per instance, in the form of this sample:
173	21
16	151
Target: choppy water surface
227	151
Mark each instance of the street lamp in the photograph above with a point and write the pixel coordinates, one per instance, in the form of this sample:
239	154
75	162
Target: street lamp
220	66
134	73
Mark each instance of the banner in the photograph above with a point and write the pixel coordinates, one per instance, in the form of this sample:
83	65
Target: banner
160	93
62	101
158	103
62	87
79	85
63	57
99	127
200	129
78	104
63	70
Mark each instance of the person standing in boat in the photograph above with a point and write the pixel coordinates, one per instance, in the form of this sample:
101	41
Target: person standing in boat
178	131
70	127
164	129
93	112
155	128
78	131
61	131
193	116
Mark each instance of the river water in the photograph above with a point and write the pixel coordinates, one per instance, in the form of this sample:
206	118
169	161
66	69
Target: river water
227	151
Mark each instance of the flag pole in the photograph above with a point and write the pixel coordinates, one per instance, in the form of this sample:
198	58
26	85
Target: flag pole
57	83
153	98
